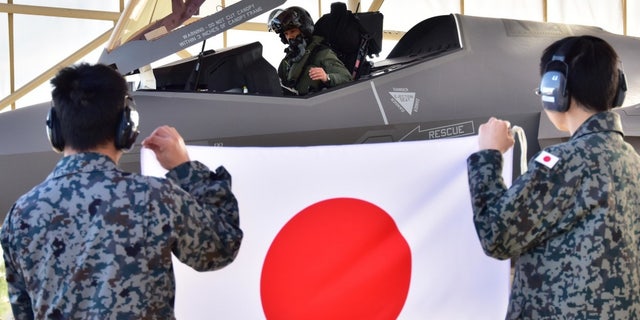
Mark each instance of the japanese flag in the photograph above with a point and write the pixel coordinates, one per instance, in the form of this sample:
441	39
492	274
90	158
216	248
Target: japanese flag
374	231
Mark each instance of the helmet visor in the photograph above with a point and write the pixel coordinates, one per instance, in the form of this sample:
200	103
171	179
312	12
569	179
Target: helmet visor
284	20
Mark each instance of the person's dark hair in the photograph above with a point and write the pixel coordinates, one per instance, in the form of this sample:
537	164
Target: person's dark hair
593	70
88	100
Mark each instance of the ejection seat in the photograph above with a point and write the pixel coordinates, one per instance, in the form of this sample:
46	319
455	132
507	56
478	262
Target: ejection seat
353	36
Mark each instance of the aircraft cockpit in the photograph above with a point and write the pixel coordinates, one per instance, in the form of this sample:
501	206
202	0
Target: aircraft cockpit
150	30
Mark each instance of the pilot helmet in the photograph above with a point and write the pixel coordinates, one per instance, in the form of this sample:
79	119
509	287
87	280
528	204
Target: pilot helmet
292	17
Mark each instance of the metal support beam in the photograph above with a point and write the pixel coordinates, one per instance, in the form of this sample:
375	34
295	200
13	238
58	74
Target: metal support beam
223	5
392	35
12	73
12	9
624	17
375	5
352	5
99	41
258	26
59	12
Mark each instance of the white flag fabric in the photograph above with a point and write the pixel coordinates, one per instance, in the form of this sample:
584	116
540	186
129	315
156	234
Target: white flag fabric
373	231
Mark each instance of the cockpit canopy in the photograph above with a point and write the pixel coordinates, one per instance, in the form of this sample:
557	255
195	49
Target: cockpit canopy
149	19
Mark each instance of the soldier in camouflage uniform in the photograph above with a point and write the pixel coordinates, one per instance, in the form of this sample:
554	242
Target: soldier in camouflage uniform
95	242
309	65
571	223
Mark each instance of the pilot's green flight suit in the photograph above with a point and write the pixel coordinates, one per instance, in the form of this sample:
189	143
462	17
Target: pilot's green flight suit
296	74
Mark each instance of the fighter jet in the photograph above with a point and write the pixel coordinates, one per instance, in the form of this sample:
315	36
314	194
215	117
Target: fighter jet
444	77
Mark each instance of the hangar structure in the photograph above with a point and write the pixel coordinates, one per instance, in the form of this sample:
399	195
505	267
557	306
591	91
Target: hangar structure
37	38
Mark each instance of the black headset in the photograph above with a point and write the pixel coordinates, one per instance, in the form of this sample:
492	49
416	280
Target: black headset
126	131
553	84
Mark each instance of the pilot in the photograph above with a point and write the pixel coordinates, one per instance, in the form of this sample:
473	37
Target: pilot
309	65
95	242
571	222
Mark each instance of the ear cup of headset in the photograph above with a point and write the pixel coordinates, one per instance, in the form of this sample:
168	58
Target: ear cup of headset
553	84
622	89
127	130
54	132
553	90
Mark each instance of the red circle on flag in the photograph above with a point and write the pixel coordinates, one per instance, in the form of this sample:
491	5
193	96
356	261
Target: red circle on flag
337	259
546	159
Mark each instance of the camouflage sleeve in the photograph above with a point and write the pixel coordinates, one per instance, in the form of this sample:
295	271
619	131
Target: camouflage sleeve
208	228
18	295
338	73
536	206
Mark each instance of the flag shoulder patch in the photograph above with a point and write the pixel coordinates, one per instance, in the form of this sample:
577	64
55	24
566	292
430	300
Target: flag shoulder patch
547	159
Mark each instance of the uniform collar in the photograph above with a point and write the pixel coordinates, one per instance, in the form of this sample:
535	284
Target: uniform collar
83	162
600	122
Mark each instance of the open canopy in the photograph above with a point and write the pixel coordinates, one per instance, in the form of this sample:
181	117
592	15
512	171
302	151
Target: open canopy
149	30
148	19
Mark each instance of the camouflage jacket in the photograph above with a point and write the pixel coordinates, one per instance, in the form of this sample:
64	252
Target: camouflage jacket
94	242
296	74
572	228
